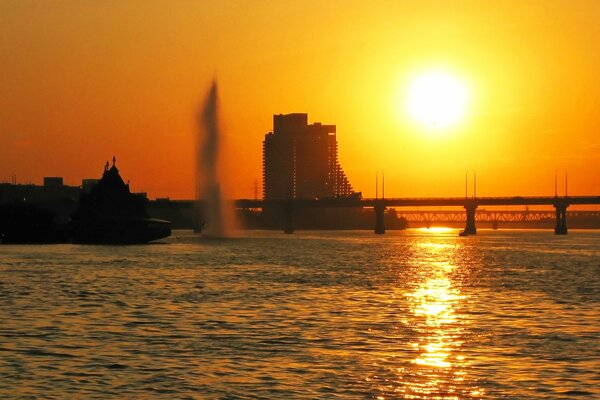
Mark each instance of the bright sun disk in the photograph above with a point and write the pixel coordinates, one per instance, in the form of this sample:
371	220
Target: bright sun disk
436	99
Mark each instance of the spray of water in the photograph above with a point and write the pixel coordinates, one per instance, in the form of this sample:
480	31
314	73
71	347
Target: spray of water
215	216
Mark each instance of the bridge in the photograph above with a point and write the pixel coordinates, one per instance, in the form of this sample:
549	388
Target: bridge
491	217
470	204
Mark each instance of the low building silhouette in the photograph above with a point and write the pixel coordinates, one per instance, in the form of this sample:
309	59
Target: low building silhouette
105	212
52	190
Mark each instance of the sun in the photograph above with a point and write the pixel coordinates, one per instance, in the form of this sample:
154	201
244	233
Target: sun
436	99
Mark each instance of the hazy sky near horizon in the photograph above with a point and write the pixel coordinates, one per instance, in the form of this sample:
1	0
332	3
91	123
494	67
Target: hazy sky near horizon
81	81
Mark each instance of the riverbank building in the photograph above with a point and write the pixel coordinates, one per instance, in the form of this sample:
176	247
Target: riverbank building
300	161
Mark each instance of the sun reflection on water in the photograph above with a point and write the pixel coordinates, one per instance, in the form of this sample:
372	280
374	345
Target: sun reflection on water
434	301
438	368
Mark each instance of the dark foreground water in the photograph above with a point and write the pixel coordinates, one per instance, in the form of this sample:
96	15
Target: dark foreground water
417	314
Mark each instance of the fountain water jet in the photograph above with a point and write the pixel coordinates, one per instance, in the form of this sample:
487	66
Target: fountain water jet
216	217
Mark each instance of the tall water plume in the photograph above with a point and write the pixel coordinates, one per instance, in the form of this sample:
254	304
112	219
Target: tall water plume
215	216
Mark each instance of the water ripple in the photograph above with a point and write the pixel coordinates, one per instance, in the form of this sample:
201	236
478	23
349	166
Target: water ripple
314	315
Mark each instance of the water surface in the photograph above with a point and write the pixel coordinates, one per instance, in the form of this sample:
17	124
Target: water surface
349	315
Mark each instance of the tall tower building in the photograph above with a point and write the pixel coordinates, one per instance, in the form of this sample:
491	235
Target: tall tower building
300	160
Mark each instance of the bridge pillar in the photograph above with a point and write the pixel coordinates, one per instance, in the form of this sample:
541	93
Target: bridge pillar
561	219
470	228
379	217
288	216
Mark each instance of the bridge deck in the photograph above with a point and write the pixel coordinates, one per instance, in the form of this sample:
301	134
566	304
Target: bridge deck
425	202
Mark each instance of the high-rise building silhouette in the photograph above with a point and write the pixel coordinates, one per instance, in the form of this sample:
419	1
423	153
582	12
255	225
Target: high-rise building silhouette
300	161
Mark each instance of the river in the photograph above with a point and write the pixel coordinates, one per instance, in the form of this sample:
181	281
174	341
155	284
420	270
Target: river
315	315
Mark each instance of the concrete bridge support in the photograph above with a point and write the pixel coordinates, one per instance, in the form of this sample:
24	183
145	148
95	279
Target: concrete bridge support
288	216
561	219
379	217
470	228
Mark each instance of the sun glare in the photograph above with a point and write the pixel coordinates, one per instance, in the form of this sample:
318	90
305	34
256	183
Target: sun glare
436	99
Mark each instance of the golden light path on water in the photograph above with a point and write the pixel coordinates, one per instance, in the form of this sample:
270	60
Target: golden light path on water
439	367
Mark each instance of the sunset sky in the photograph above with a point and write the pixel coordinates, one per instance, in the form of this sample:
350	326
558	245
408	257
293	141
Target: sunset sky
81	81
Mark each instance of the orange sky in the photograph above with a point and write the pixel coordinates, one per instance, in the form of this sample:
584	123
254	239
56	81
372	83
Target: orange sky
81	81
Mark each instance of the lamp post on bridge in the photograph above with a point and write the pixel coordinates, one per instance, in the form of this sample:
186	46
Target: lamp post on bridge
379	205
467	184
556	183
560	206
470	206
